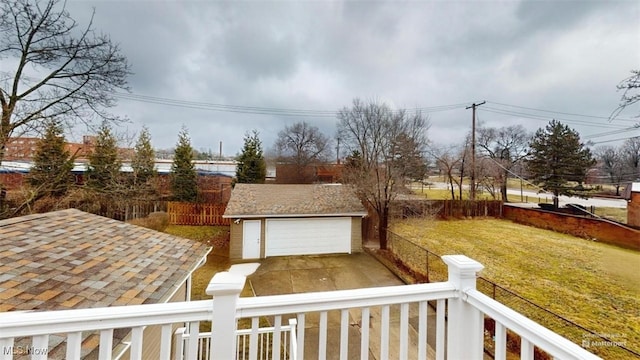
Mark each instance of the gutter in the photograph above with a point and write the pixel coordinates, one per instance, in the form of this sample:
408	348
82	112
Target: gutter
246	216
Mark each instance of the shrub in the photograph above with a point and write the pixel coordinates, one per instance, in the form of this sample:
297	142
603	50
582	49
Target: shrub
155	221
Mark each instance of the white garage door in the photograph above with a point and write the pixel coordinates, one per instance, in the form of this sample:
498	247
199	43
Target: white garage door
307	236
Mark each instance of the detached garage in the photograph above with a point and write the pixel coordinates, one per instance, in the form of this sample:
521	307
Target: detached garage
281	220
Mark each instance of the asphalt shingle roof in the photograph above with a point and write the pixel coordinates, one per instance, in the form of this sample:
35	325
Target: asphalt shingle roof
252	200
72	259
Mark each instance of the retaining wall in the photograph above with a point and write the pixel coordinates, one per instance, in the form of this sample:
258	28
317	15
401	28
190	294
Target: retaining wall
599	229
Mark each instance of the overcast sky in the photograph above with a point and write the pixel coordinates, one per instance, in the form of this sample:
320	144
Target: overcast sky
549	55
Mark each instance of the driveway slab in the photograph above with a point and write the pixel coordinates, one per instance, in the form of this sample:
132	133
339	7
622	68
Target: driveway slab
302	274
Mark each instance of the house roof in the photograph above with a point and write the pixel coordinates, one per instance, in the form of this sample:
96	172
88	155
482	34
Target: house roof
72	259
276	200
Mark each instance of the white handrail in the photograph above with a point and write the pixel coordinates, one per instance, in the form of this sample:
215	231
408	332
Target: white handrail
554	344
18	324
342	299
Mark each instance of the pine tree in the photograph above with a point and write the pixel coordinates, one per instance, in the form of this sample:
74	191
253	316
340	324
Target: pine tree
251	168
558	157
104	163
143	162
52	163
184	181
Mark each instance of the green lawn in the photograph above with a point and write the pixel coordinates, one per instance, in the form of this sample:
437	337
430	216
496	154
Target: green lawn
592	284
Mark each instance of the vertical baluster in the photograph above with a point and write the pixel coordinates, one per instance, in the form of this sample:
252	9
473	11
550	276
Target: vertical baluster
501	342
74	342
178	344
6	347
404	331
384	333
207	350
136	343
526	349
300	337
293	345
106	344
275	353
364	337
40	346
192	343
344	334
422	330
440	329
253	338
165	342
322	336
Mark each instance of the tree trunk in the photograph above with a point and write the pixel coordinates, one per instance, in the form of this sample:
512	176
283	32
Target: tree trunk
383	221
503	186
556	200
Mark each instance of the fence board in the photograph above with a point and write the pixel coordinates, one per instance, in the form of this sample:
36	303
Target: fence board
182	213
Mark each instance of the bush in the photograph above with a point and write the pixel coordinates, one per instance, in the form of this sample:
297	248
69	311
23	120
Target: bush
155	221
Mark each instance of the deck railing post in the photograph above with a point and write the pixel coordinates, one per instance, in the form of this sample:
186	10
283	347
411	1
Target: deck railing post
465	323
225	287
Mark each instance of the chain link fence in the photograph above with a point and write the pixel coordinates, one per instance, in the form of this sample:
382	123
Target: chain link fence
427	266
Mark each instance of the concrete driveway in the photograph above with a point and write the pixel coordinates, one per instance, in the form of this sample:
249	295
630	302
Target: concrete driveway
300	274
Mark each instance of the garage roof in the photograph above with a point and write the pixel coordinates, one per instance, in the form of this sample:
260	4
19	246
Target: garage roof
72	259
276	200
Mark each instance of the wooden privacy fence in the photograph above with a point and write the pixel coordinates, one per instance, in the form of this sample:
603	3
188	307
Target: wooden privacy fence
182	213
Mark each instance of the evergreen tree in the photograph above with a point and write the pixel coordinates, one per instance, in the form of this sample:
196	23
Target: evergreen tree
104	163
251	168
52	163
557	157
143	162
184	181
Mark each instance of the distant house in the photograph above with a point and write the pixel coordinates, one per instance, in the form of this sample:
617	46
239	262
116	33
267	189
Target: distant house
70	259
277	220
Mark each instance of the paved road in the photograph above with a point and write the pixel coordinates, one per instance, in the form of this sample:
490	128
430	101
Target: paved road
547	197
303	274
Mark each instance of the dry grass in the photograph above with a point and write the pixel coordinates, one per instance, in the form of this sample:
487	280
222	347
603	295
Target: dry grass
592	284
155	221
615	214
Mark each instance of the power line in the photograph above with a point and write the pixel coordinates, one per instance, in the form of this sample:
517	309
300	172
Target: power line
547	118
257	110
560	112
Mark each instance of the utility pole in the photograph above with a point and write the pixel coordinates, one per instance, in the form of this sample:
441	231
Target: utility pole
473	148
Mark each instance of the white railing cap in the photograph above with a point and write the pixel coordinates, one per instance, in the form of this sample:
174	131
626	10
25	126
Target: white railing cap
226	283
244	269
462	263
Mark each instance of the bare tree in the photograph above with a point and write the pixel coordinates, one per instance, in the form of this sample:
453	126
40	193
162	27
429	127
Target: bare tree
302	144
448	162
62	71
630	92
383	141
631	157
506	147
612	165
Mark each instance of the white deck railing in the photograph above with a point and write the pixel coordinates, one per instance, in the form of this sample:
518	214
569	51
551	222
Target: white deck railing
265	341
391	322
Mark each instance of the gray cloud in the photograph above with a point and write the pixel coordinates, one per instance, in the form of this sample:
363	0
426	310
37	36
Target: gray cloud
564	56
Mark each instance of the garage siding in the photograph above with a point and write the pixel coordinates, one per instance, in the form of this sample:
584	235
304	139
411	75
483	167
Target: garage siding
356	234
235	240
